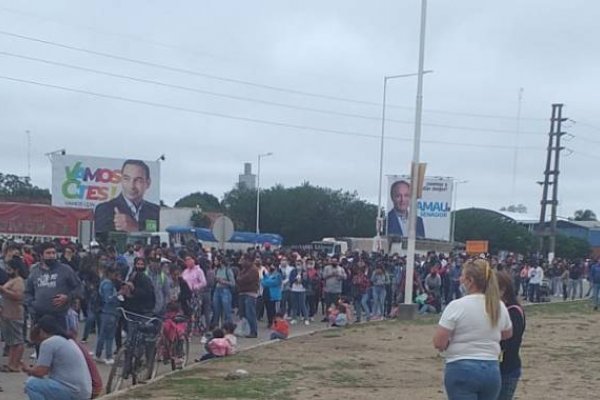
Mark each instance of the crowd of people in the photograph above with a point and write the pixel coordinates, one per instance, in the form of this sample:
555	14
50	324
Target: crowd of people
62	283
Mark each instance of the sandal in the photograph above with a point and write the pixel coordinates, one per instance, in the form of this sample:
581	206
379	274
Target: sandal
8	369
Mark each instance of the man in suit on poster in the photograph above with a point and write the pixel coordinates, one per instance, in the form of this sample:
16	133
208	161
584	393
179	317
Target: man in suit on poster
129	212
397	219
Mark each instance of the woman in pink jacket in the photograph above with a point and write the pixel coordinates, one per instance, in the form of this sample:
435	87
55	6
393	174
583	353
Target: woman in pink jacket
196	280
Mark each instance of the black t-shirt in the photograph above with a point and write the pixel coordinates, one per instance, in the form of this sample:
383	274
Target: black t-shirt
510	347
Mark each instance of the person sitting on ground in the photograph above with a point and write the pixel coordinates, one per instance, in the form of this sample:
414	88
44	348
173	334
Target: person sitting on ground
61	360
280	327
217	347
229	329
341	319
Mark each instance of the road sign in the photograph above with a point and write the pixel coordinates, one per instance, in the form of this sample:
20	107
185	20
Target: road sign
222	229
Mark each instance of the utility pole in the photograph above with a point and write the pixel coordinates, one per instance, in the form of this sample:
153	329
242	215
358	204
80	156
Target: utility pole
28	134
551	179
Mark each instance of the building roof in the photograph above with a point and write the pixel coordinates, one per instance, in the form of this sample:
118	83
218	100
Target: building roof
586	224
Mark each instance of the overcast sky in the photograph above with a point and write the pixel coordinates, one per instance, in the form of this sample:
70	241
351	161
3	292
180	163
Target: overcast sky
481	52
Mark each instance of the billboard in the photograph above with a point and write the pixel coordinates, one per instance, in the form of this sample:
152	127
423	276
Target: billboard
433	215
124	194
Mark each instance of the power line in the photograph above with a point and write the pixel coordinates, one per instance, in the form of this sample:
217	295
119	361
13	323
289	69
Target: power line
250	99
241	81
246	119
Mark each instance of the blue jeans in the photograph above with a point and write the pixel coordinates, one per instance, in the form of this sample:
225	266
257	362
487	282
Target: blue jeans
509	385
596	294
221	305
248	310
106	334
472	380
47	389
362	304
92	319
378	300
299	305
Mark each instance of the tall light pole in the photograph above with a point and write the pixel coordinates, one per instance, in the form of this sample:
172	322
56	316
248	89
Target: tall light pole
379	219
258	191
412	215
456	183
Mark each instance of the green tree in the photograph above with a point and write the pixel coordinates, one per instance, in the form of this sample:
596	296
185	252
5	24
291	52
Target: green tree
200	220
584	215
20	189
501	232
302	214
519	208
572	247
205	201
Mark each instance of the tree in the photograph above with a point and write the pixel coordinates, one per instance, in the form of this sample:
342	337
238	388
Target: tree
20	189
302	214
584	215
501	232
572	247
200	220
203	200
519	208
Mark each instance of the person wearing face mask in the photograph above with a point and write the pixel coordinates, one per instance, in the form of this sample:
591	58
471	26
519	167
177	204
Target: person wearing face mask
160	283
51	286
469	335
138	291
271	283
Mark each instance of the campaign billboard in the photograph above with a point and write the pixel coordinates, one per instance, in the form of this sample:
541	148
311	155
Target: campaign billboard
434	207
124	193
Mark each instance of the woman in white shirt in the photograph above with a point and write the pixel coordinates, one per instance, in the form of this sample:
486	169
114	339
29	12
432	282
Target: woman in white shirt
469	334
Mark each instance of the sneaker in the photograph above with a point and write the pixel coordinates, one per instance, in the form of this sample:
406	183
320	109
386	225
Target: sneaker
33	355
109	361
91	353
306	322
84	341
293	322
99	359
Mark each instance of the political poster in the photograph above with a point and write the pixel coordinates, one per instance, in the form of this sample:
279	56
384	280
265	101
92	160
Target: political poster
434	207
124	193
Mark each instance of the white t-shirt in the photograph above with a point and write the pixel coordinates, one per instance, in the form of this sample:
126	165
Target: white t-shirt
473	337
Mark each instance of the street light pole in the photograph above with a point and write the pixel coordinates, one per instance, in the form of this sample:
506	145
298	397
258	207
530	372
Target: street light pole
456	183
412	216
379	219
258	191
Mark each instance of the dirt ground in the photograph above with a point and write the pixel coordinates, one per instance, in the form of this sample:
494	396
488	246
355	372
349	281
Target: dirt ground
394	360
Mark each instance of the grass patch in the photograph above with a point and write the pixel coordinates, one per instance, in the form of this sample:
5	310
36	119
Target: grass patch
553	309
216	387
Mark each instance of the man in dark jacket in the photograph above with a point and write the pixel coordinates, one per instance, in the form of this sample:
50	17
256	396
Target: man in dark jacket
247	283
51	286
129	212
138	291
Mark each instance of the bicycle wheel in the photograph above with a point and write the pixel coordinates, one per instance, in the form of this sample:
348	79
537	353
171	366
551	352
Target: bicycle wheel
115	377
150	367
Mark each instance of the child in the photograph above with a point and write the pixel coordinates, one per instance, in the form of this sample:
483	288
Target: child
217	347
109	300
73	319
280	327
341	319
349	309
228	329
332	313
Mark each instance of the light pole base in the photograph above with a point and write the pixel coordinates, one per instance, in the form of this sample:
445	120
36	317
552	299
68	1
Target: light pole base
407	312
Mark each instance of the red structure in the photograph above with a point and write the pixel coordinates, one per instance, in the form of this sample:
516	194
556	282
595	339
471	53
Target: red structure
21	219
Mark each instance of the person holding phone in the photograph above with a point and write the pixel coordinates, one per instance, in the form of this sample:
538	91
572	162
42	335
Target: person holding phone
51	287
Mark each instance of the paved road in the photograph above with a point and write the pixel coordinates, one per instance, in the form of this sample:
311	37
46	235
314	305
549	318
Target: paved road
12	383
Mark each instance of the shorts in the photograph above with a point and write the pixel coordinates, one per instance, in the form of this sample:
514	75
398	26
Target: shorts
12	331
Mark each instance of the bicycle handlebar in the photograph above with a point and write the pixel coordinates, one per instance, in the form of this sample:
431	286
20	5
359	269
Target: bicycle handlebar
125	312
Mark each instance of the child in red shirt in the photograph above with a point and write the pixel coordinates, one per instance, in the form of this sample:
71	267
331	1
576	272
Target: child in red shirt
280	328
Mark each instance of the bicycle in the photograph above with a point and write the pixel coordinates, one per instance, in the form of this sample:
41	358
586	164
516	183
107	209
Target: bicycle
135	359
176	350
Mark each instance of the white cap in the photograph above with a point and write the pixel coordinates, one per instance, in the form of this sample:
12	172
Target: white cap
93	243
